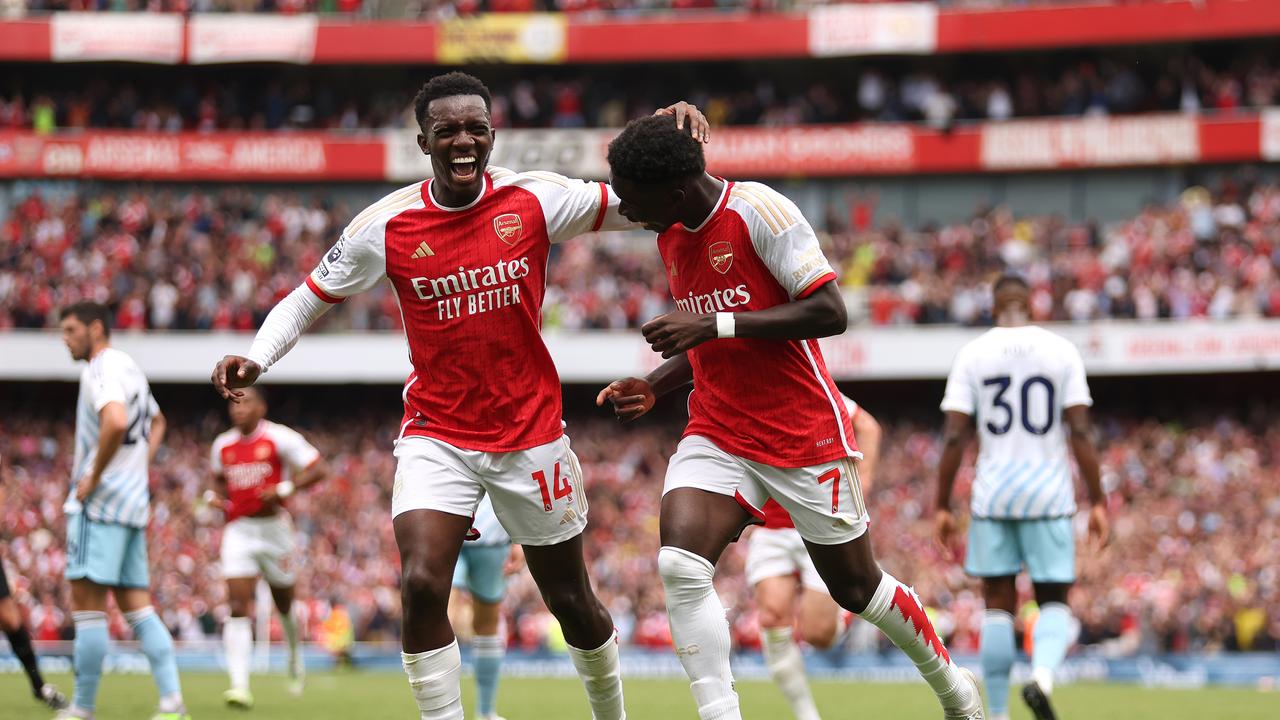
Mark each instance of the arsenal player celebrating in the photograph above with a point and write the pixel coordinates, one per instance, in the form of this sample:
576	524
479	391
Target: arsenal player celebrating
466	253
257	464
753	292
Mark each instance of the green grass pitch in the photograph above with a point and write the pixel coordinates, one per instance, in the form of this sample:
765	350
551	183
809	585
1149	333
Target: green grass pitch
358	696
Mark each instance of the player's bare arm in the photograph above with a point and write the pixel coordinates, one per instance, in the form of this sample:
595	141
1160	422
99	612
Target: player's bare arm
633	397
308	476
1086	454
956	432
821	314
867	430
113	421
159	425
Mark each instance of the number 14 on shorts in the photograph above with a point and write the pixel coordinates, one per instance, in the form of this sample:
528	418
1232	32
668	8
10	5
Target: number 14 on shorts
560	486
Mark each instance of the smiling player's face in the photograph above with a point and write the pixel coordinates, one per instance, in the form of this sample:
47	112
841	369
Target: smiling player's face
459	138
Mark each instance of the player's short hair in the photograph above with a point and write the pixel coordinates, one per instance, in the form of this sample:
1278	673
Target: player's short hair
652	149
1010	278
86	312
448	85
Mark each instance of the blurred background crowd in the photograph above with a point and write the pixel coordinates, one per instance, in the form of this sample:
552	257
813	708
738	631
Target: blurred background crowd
1207	79
220	258
1196	514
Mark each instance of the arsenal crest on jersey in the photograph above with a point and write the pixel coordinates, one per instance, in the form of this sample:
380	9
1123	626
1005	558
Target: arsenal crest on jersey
508	227
721	254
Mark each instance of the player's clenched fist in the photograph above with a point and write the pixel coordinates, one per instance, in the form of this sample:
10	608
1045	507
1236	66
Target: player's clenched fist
631	397
232	373
678	332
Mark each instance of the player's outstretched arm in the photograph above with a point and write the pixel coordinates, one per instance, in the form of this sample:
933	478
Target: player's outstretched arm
633	397
955	437
818	315
1086	454
279	333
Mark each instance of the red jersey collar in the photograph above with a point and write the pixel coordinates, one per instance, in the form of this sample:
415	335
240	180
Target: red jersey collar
724	200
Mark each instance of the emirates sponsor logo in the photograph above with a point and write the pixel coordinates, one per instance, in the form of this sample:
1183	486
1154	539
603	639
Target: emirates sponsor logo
243	476
468	279
715	301
508	227
721	254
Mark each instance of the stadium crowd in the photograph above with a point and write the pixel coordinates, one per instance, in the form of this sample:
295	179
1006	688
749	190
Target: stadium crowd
936	92
1196	515
220	259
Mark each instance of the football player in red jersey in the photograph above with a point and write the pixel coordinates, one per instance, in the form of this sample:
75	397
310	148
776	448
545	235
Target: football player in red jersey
257	465
466	255
753	293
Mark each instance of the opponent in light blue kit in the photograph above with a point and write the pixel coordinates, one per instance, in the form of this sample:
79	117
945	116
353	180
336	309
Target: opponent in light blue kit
119	428
1027	390
482	571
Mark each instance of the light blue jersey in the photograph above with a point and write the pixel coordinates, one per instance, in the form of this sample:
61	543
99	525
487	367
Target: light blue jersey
1016	382
123	496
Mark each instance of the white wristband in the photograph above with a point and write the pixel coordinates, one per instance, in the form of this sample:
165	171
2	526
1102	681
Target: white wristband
210	496
725	325
285	489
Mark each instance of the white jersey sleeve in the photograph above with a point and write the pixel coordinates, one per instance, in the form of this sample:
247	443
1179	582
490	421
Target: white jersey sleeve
215	450
1075	386
294	449
961	394
570	207
782	238
359	259
106	384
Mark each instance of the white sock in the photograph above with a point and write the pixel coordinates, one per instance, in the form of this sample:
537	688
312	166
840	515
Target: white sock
786	667
1044	678
290	628
237	642
700	632
602	678
895	609
435	677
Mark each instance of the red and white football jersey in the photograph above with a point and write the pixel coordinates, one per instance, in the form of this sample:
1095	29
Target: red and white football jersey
470	282
770	401
252	463
776	516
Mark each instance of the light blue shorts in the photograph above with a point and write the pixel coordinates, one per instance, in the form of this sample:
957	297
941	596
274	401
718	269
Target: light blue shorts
106	553
1045	546
479	571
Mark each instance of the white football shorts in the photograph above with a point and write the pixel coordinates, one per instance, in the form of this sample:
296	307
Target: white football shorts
825	501
253	546
780	552
537	493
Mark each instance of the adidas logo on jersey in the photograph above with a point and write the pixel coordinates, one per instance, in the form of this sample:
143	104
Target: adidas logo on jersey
569	516
423	251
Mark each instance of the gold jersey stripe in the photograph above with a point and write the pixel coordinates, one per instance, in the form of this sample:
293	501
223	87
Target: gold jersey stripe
779	213
761	209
